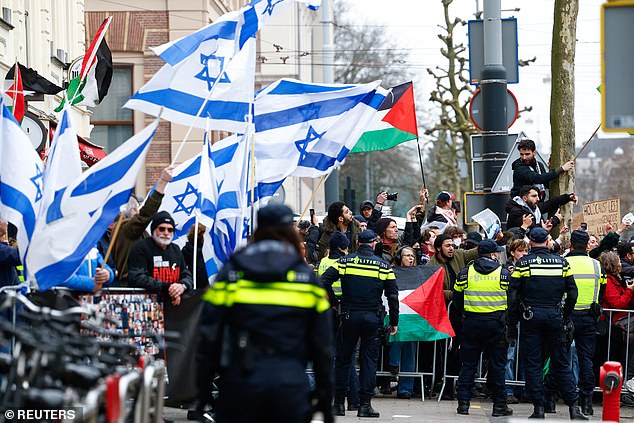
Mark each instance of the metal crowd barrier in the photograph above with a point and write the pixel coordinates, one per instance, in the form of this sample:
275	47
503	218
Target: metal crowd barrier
607	315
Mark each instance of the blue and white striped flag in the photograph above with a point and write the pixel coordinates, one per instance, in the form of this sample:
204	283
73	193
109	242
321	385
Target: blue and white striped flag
83	211
180	197
63	165
222	200
307	130
218	57
21	177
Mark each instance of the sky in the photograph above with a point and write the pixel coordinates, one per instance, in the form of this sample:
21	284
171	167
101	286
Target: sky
412	24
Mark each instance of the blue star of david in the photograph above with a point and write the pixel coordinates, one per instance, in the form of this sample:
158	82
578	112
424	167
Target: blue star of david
39	175
205	75
180	200
302	145
270	6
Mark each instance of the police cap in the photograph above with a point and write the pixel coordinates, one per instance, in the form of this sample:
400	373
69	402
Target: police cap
539	235
275	215
579	237
488	246
338	240
474	238
367	236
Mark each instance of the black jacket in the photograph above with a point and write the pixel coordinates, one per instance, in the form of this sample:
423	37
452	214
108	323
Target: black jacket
272	333
538	290
202	280
9	259
517	211
627	269
523	174
484	266
154	269
360	291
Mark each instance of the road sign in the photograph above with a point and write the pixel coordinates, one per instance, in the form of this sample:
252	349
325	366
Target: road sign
504	181
475	202
501	147
617	62
509	50
485	171
477	116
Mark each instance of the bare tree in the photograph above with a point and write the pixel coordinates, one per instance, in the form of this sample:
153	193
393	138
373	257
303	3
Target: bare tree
562	98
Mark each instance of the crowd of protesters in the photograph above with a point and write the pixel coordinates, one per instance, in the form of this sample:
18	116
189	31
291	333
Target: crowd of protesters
432	236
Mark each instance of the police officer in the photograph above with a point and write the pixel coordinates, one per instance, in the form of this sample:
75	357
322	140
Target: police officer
590	280
480	293
538	284
263	320
364	279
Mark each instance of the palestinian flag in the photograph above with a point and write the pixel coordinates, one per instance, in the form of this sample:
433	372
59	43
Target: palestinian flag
423	314
394	123
14	91
33	82
91	86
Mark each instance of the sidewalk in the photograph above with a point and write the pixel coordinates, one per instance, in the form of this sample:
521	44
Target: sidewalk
398	410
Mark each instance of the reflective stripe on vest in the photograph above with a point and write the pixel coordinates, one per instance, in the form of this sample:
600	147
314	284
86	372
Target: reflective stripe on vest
483	293
20	270
289	294
588	277
325	264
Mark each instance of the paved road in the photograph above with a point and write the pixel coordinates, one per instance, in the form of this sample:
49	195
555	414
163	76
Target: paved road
396	410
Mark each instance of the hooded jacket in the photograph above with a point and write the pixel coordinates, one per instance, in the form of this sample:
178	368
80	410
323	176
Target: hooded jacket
517	208
328	229
83	278
524	174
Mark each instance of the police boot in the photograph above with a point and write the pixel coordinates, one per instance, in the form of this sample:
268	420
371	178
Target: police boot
366	410
550	403
538	412
463	407
586	405
339	407
501	409
575	413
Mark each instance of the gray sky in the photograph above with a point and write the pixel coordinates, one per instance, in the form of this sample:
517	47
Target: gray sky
413	24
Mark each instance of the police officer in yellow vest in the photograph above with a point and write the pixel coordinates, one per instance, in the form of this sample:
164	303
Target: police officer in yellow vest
338	247
590	280
263	320
480	292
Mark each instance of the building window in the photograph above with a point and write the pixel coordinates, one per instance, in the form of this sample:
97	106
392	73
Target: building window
112	123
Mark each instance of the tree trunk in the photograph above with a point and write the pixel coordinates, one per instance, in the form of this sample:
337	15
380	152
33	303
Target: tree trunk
562	100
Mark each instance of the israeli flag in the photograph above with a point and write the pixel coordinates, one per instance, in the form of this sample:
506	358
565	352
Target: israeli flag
180	197
307	130
80	215
208	78
223	200
63	165
21	179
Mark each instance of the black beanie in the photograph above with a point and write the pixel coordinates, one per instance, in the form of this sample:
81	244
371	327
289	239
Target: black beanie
162	217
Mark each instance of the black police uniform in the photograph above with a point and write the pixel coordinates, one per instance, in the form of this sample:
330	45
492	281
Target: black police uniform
480	293
364	278
539	282
263	320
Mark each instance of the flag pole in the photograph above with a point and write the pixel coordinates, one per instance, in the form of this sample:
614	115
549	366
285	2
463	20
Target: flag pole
251	132
195	255
112	240
422	170
312	196
587	142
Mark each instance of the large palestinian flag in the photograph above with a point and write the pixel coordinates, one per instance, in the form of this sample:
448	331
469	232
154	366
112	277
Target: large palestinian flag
394	123
423	314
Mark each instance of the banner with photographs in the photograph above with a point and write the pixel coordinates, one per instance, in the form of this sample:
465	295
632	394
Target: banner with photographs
140	315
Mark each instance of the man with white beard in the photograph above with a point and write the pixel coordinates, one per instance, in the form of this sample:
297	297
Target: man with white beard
157	264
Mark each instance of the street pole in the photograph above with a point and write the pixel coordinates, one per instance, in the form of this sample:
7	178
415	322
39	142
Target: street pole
331	187
494	92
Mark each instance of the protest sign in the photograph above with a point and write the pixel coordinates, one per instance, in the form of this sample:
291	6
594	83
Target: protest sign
597	213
